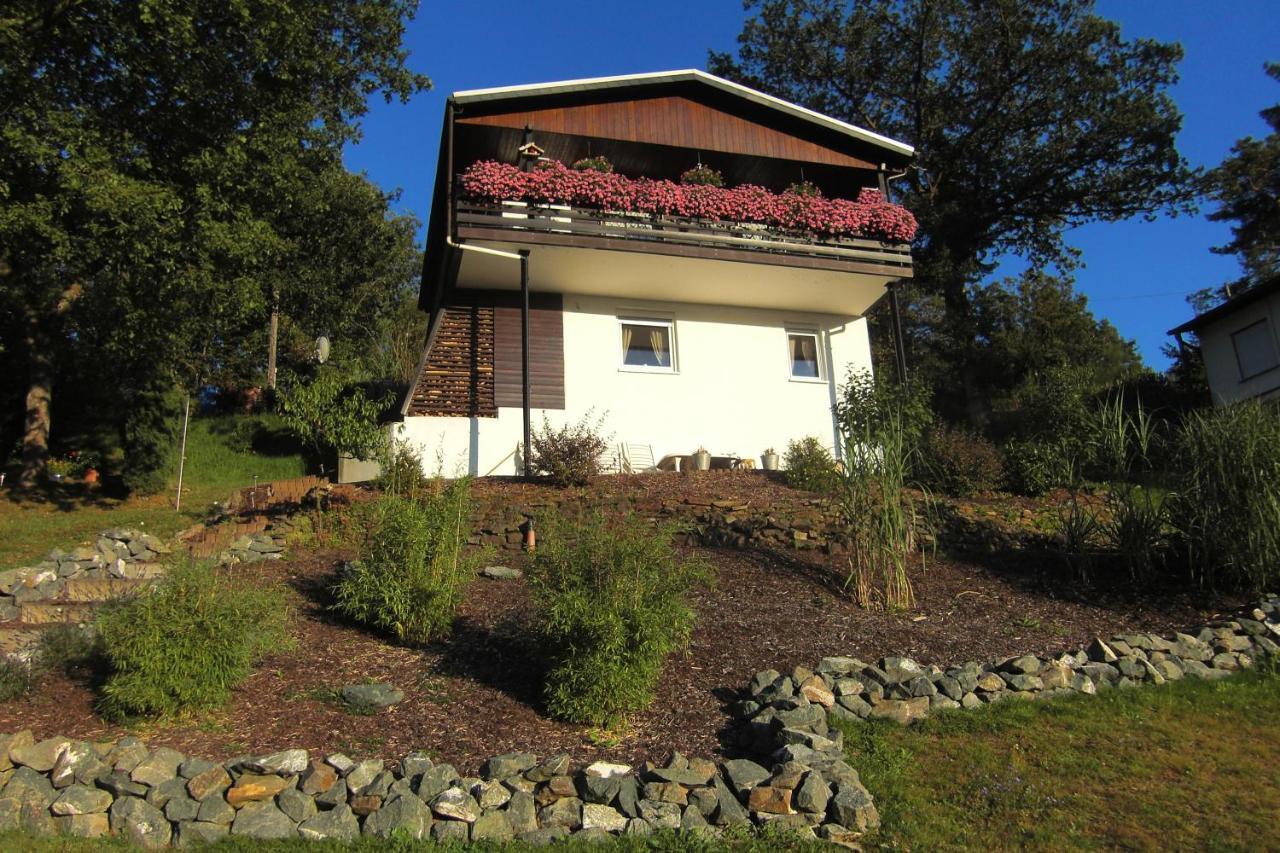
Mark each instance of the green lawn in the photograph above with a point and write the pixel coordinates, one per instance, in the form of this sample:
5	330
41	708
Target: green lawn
62	517
1191	765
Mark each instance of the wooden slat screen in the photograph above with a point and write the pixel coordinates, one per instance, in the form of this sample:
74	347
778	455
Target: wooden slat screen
458	377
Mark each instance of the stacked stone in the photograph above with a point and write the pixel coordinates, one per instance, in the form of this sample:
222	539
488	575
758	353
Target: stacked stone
156	797
250	548
120	554
792	706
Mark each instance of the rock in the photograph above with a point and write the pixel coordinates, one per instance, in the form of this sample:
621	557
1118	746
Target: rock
193	767
160	795
1100	652
901	711
26	786
660	815
490	795
338	824
120	785
840	665
362	775
1024	665
159	767
855	705
565	812
666	792
317	778
605	770
80	800
456	804
197	833
365	804
408	815
128	753
853	808
812	795
208	783
501	573
729	810
94	825
556	765
296	805
289	762
262	821
335	796
140	823
628	798
921	686
39	756
449	831
512	763
598	789
989	682
372	695
522	813
340	763
596	816
743	774
1025	683
216	810
898	669
816	691
435	781
414	765
770	800
704	800
251	788
492	825
75	755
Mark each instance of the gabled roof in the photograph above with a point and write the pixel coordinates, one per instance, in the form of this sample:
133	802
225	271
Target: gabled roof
692	75
1250	296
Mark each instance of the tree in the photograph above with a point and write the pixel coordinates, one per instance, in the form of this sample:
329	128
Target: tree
1246	187
1028	118
144	148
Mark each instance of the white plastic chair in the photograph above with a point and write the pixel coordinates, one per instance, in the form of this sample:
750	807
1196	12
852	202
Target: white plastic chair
637	458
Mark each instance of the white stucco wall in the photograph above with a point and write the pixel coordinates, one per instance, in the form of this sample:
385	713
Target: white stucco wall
1225	382
732	391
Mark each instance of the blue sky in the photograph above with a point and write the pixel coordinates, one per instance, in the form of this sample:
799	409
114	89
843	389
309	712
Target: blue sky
1137	273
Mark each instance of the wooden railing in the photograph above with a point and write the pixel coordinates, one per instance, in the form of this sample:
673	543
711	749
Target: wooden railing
894	258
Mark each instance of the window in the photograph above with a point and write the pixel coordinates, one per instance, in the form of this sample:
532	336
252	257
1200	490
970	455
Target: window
647	345
802	349
1255	349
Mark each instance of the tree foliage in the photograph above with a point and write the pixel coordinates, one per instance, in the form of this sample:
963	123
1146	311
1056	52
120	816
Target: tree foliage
166	168
1028	118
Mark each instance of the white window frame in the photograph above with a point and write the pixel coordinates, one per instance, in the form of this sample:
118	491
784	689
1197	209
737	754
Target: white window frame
667	323
821	378
1265	322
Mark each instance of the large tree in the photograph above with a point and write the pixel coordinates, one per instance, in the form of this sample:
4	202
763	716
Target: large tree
1246	187
148	151
1028	117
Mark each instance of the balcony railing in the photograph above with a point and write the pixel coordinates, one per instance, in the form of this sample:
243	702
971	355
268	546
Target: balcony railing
665	233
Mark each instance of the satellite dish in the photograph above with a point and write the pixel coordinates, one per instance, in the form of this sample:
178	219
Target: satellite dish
322	349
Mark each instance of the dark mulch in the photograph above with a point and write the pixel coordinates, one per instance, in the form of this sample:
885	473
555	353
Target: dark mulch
477	694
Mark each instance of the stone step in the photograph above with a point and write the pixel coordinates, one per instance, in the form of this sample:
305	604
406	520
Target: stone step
89	590
43	613
17	640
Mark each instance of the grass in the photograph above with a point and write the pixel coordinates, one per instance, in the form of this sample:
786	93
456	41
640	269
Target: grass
65	516
1190	765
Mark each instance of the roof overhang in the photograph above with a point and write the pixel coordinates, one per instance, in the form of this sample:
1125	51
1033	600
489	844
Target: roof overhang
692	75
1248	297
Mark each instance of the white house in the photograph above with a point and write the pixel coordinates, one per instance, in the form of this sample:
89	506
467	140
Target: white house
684	316
1238	342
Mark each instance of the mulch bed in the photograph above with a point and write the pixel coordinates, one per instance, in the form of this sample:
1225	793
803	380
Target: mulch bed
477	694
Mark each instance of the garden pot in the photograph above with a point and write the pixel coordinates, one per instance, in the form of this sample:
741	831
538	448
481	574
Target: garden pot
702	461
90	477
769	461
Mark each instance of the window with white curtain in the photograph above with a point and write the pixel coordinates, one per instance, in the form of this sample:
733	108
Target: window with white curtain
1255	349
648	345
803	352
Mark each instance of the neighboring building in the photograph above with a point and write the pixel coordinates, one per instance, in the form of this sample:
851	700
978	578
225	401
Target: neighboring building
1238	342
685	317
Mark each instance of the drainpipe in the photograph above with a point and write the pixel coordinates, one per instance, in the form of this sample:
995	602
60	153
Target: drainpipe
895	318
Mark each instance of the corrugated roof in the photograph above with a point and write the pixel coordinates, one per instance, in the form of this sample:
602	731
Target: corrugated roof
683	76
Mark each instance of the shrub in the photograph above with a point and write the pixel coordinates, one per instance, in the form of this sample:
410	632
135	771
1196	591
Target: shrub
870	406
1035	467
15	679
414	571
189	642
402	472
808	465
599	163
65	647
610	598
960	463
570	455
1227	509
701	175
330	412
1137	530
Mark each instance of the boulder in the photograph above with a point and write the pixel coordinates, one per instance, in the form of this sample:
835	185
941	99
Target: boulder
456	804
197	833
512	763
289	762
407	815
501	573
208	783
251	788
812	795
140	823
337	824
39	756
372	695
522	812
158	768
263	821
852	807
492	825
297	805
94	825
81	800
770	800
597	816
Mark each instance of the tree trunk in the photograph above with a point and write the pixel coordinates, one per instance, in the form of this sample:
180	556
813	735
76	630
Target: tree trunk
35	434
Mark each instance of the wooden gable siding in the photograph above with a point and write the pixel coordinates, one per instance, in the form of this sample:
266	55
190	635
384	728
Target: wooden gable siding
546	351
474	365
457	379
676	121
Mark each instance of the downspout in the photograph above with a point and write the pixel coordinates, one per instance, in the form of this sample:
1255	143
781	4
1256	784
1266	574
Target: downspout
895	308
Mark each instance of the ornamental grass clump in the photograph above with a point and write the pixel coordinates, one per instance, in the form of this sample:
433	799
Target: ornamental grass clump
188	643
1226	505
611	600
414	569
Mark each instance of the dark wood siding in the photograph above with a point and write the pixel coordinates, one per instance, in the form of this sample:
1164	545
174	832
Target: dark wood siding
676	121
546	350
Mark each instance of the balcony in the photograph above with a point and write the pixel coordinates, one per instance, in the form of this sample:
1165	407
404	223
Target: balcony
691	237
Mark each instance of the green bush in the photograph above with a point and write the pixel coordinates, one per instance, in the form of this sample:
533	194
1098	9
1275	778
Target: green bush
15	679
414	570
870	405
402	472
957	462
1226	510
1035	467
571	455
66	647
188	643
1137	530
611	604
808	465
